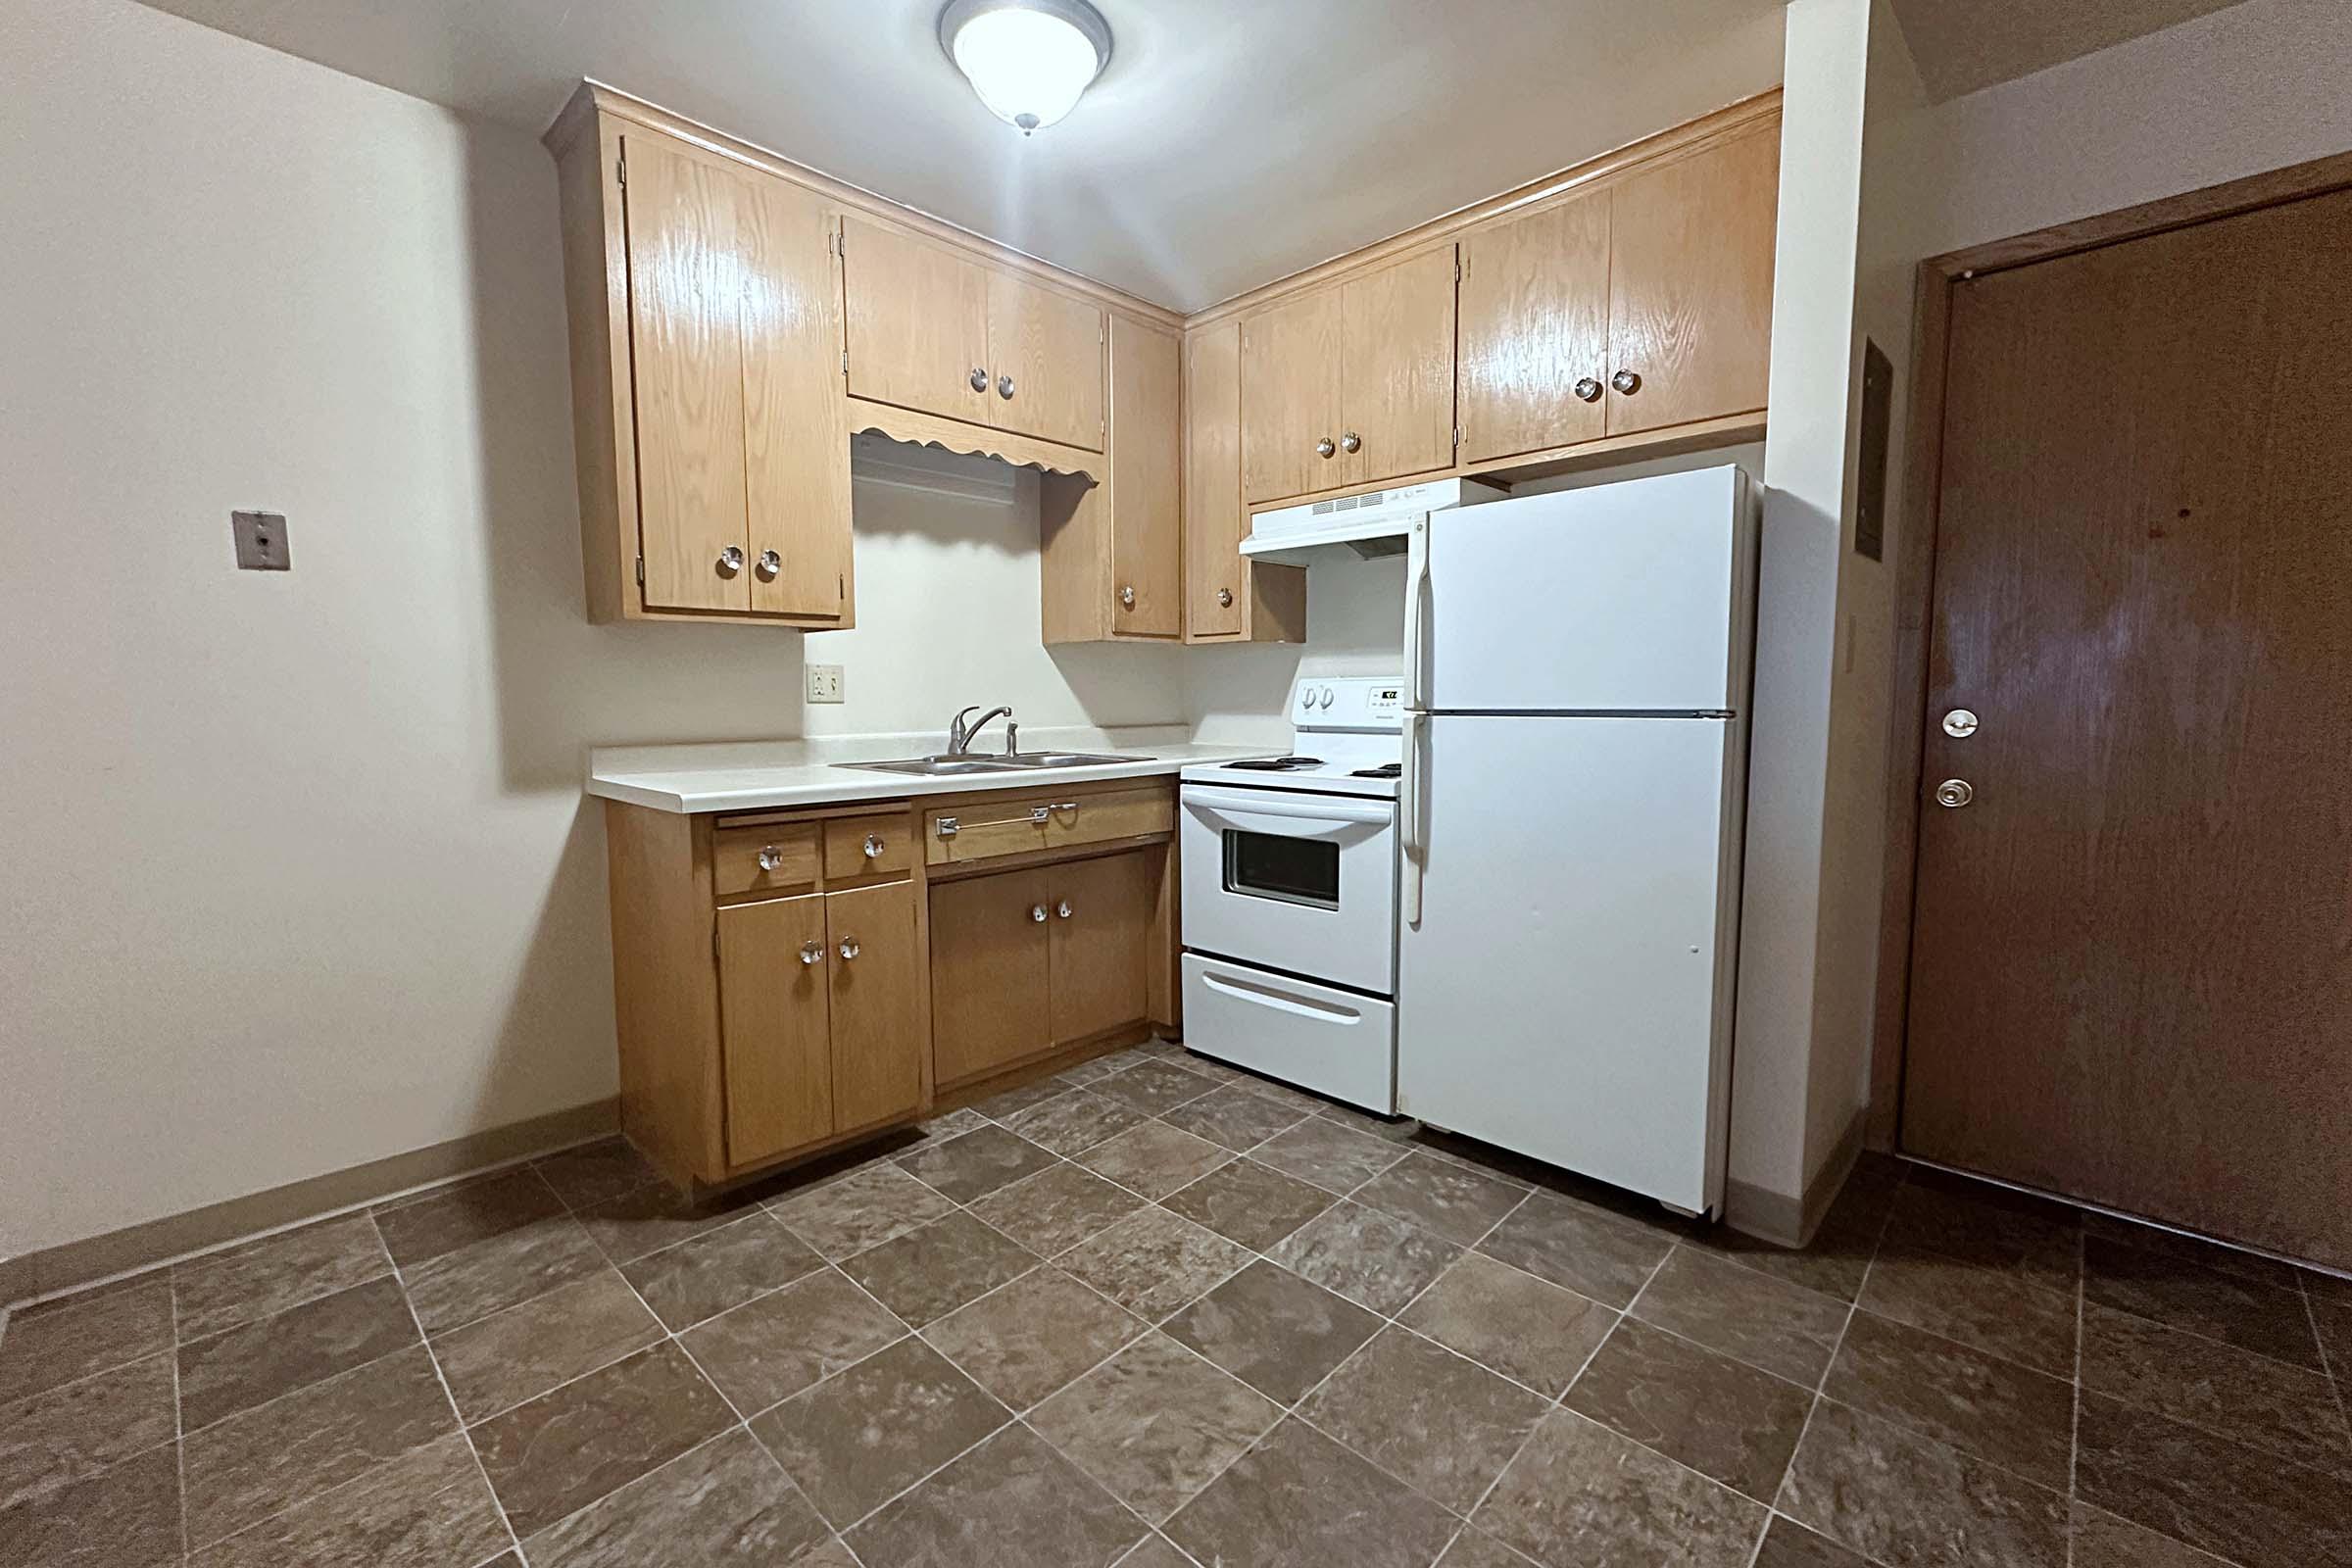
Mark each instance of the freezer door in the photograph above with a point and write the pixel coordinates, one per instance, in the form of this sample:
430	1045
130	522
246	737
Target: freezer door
1628	597
1567	990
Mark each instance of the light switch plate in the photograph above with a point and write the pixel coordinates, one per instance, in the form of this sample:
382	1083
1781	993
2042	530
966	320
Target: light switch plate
261	541
824	683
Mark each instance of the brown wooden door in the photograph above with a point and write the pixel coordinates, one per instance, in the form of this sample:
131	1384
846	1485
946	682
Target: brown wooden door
773	1019
2131	971
917	323
1146	532
796	426
1045	358
1291	371
877	996
1534	321
988	973
1101	944
1690	284
1397	385
685	309
1213	520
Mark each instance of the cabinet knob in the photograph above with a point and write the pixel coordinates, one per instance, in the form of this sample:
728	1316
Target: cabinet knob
1626	382
1037	911
1352	442
1004	386
768	565
1587	390
1955	793
1324	448
873	846
810	952
1224	598
730	561
979	380
849	949
1127	597
771	856
1063	909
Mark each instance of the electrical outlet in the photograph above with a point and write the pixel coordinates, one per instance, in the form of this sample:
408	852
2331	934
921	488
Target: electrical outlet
824	683
260	538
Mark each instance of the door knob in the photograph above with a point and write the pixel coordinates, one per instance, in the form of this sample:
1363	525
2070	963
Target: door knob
730	561
873	846
1960	723
1325	448
768	565
1626	382
1589	390
810	952
1224	598
849	949
1350	442
1004	386
771	856
1955	793
979	380
1037	911
1127	597
1063	909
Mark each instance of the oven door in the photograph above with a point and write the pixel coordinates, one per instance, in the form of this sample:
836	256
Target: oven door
1291	881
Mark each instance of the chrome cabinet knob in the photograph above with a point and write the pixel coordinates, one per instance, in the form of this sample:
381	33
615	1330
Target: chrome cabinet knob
771	856
1955	793
849	949
1325	447
1960	723
810	952
1352	442
768	565
730	561
1004	386
1224	598
979	380
1626	382
1037	911
873	846
1587	390
1127	597
1063	909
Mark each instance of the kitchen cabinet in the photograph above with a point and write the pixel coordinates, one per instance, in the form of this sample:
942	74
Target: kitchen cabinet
877	1013
1226	595
944	332
1098	967
1535	330
1350	382
1113	565
705	307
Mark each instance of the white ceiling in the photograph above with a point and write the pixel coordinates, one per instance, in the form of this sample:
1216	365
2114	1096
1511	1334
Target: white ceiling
1230	142
1963	45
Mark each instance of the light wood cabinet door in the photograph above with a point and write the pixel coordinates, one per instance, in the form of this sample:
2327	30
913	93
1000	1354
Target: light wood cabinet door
1146	526
773	1021
1213	520
1691	285
877	999
1534	322
796	426
685	309
1396	390
988	973
1045	363
1291	378
918	323
1101	944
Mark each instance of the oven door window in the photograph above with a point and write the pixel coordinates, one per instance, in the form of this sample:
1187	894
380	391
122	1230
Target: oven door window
1270	865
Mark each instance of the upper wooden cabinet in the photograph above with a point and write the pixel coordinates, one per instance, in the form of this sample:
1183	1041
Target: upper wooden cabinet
938	330
1114	547
1535	345
1351	382
1226	595
705	330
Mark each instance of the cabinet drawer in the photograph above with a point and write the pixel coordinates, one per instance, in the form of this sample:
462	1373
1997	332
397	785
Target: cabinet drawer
867	846
1112	814
763	860
988	829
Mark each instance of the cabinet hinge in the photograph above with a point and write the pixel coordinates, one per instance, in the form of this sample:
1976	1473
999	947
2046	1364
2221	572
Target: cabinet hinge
841	586
620	168
841	241
1458	438
714	939
1457	267
845	362
640	571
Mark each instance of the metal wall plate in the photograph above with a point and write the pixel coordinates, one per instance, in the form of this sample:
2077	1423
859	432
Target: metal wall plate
260	538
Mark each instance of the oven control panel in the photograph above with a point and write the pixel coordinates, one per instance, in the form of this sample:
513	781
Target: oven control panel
1349	702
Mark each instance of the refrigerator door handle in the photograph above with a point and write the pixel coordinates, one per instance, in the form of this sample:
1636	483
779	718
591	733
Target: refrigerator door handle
1416	590
1408	822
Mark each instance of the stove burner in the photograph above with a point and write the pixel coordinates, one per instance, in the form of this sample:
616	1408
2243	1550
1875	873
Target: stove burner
1278	764
1383	770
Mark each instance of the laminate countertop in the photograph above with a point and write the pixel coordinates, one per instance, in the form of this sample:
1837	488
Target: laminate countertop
752	775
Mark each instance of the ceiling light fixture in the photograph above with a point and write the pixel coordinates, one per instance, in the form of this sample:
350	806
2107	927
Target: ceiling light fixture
1028	60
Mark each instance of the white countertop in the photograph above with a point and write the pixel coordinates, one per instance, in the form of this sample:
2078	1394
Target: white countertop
749	775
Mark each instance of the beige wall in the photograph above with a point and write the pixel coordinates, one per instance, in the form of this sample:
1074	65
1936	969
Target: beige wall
299	871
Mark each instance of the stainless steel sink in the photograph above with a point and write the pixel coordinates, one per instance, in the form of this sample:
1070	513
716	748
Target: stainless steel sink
942	766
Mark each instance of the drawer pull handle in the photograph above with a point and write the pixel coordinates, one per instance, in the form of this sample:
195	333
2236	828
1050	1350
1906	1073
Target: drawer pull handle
810	952
948	827
873	846
1037	813
1065	806
849	949
770	858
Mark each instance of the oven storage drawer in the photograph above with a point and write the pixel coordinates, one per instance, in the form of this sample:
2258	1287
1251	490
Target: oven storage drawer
1333	1042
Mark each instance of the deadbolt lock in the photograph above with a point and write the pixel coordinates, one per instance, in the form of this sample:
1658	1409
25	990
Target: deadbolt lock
1960	723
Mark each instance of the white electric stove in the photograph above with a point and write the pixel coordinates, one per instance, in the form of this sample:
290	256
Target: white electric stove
1290	898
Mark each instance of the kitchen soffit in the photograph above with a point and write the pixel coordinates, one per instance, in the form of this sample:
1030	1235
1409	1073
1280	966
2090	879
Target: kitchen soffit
1229	142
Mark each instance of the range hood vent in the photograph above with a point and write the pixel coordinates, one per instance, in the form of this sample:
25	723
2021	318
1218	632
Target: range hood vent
1372	524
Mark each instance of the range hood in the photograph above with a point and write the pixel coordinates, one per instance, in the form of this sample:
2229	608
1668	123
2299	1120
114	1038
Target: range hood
1371	524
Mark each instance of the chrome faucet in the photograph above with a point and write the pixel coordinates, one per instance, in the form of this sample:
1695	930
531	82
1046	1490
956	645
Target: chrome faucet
960	734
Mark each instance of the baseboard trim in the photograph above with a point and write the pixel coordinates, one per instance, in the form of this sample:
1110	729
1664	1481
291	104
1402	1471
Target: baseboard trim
136	1248
1788	1221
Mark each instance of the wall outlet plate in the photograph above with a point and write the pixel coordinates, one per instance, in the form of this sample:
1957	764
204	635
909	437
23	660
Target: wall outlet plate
824	683
261	541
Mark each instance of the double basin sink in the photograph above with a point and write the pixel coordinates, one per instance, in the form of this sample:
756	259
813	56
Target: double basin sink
945	765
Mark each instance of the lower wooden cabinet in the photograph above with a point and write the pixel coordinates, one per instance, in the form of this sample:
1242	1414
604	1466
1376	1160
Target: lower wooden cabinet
877	983
1099	958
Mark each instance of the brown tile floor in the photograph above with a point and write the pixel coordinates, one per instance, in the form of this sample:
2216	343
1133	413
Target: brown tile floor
1156	1311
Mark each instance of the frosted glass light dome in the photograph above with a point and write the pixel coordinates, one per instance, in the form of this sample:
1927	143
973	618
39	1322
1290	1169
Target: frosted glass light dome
1029	60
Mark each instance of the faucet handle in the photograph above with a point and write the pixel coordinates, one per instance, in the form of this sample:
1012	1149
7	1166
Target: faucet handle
1012	737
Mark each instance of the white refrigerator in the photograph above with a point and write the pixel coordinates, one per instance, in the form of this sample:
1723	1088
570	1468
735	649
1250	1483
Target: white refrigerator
1577	673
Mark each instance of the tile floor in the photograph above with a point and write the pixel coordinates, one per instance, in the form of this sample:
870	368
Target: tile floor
1156	1312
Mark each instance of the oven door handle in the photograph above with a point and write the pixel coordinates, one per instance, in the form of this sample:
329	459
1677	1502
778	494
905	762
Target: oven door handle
1233	806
